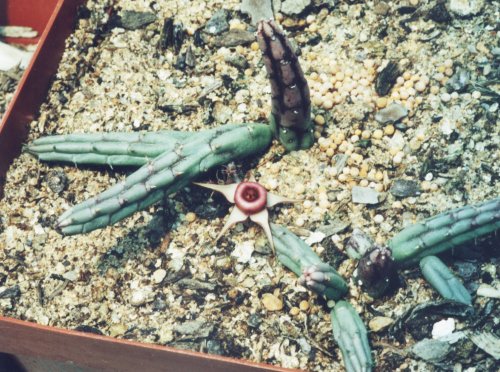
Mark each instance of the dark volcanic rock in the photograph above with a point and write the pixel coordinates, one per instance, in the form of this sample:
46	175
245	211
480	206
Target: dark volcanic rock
132	20
386	78
405	188
218	23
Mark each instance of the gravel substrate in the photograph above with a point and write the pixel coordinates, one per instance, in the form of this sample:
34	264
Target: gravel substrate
430	144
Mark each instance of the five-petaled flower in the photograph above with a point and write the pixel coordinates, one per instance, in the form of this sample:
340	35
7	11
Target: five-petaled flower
251	200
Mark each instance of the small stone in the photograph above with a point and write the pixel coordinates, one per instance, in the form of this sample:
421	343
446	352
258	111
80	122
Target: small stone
215	347
234	38
248	283
141	296
57	181
315	237
293	7
305	346
447	126
431	350
404	188
381	8
190	217
379	323
196	285
443	328
358	244
391	114
488	342
198	328
386	78
304	305
254	320
160	303
116	330
11	292
294	311
334	227
237	60
465	8
70	275
132	20
257	9
218	23
459	81
271	302
439	13
159	275
18	31
243	252
364	195
486	290
165	333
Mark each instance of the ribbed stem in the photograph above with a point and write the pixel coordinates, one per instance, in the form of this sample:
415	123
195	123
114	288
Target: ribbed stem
314	274
113	149
443	280
444	231
351	336
165	175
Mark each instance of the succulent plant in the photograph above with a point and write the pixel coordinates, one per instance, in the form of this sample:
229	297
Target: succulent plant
251	200
164	175
113	149
375	271
170	160
419	242
351	336
443	280
314	274
445	231
290	98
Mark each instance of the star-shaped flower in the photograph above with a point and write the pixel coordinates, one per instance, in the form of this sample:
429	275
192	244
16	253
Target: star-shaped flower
251	200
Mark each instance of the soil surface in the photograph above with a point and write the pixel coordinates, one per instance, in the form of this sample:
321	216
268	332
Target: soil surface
405	104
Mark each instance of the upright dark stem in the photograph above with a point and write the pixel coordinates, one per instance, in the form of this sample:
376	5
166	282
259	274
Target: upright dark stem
290	98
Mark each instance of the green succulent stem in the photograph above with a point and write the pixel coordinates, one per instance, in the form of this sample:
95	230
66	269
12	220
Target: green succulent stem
443	280
113	149
166	174
297	256
445	231
351	336
293	139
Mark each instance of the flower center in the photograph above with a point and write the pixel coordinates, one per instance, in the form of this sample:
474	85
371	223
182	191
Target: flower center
250	197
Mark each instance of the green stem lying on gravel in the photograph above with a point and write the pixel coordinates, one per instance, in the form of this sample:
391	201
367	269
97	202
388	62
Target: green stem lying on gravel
166	174
314	274
444	231
443	280
113	149
351	336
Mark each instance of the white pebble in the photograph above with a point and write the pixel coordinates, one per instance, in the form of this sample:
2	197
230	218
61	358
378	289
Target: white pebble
443	328
445	97
420	86
299	222
476	94
141	296
273	184
378	218
159	275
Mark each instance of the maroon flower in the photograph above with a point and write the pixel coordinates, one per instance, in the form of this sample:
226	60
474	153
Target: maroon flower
251	200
